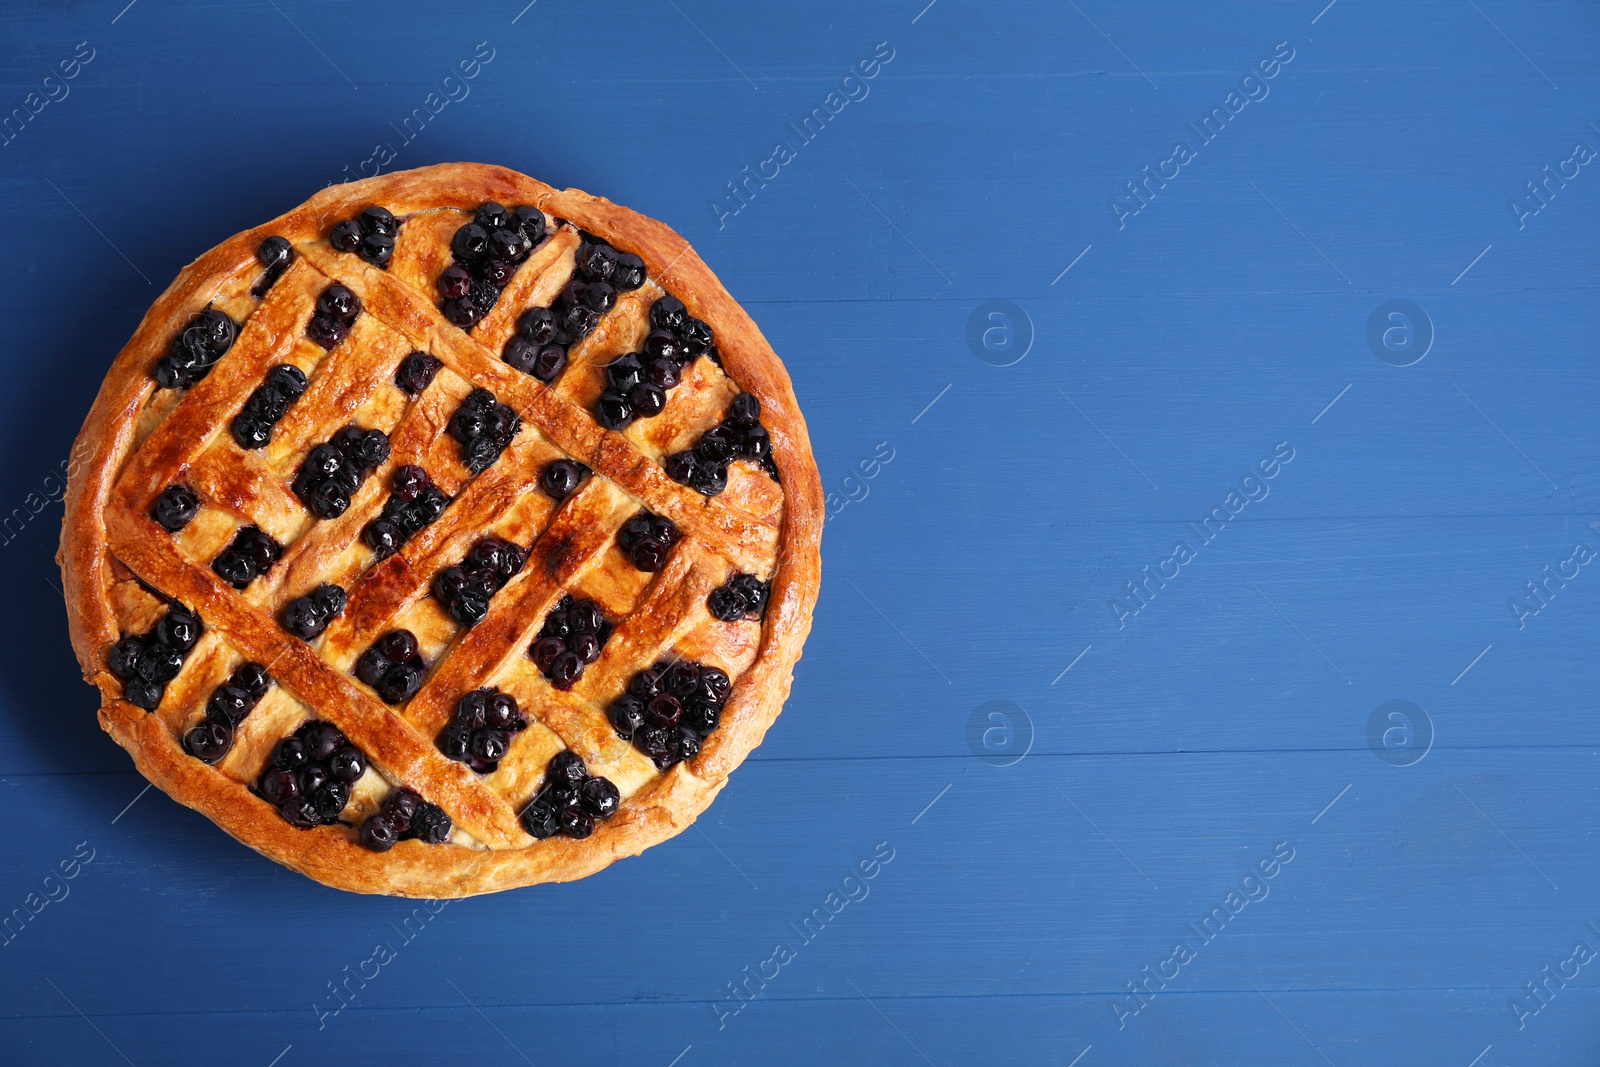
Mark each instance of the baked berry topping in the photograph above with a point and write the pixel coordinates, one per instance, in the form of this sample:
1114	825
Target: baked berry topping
308	777
337	309
212	738
275	254
370	235
561	477
175	508
404	814
637	383
252	427
572	636
331	473
484	428
571	799
307	616
739	435
196	349
414	502
647	539
479	733
146	663
416	373
466	589
393	666
669	708
743	597
487	252
250	554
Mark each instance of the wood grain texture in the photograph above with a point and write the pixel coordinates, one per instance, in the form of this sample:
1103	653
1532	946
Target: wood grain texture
974	566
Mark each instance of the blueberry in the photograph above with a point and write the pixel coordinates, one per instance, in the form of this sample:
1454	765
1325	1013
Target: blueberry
378	220
716	446
560	478
229	704
575	822
370	450
288	380
645	684
330	800
492	215
379	833
253	679
726	604
299	813
682	679
663	344
383	537
210	739
321	739
377	249
521	354
279	786
647	399
338	302
470	243
455	741
400	682
665	373
624	372
312	777
490	746
649	556
686	743
544	652
327	331
530	220
629	273
303	618
328	500
347	763
745	409
756	445
584	617
179	629
250	431
274	252
454	282
668	313
585	646
502	713
566	767
233	568
710	479
627	715
565	670
539	820
600	296
664	710
123	659
504	244
599	797
613	411
578	320
463	312
346	236
218	328
683	467
430	823
548	364
496	271
416	372
537	325
290	754
700	716
143	694
597	262
399	646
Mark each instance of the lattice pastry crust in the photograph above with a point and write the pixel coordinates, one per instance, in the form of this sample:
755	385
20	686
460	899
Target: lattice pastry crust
241	560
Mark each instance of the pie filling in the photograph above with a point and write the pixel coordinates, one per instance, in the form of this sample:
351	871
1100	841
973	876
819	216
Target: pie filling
640	362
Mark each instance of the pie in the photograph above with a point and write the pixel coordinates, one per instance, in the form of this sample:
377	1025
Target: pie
447	534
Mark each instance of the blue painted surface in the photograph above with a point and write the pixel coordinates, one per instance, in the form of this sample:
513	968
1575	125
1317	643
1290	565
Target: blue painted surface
1162	760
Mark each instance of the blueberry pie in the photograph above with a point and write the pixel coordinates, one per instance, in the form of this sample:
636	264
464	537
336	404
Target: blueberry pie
448	534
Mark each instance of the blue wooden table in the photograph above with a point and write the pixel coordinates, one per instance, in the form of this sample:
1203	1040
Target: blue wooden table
1205	668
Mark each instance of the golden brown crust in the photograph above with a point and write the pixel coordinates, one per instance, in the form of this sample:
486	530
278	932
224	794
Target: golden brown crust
108	543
